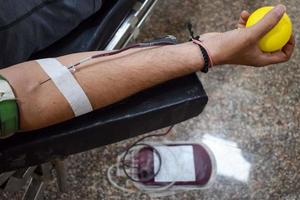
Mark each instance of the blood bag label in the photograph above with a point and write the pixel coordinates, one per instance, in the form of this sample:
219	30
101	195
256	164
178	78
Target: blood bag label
177	164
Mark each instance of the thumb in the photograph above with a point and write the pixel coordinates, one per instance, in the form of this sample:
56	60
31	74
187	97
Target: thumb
268	21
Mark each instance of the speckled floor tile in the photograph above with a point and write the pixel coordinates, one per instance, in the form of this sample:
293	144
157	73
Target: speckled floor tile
256	109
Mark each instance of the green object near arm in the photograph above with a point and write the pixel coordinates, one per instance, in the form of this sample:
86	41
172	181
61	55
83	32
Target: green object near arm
9	116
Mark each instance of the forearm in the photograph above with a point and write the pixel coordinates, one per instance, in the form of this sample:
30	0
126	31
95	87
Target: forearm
112	80
104	80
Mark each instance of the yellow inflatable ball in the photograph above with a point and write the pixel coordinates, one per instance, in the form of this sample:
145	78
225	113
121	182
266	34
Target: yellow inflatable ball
278	36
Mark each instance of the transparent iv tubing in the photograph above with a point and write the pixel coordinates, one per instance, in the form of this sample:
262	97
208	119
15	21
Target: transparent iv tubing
72	67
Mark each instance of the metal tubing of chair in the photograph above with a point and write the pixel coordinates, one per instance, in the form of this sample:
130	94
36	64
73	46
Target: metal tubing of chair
46	170
61	174
34	189
19	179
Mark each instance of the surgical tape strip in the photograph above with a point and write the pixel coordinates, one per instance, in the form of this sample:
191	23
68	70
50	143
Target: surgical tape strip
6	92
67	85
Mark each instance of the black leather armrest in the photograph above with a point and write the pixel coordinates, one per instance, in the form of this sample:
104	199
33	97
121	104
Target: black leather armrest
155	108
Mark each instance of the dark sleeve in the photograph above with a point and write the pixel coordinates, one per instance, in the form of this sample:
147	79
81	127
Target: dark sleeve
32	25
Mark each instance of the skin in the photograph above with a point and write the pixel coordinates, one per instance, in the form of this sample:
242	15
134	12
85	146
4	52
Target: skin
241	43
110	79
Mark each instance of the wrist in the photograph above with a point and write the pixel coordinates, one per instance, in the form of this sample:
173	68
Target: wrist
208	62
212	43
194	54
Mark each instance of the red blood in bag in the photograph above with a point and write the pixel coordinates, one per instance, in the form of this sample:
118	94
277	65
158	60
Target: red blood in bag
202	162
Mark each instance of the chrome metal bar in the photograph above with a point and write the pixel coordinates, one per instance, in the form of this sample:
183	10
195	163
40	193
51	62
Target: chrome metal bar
141	23
130	28
24	173
34	189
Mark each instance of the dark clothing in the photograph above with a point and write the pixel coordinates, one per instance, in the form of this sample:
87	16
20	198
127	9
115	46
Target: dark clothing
27	26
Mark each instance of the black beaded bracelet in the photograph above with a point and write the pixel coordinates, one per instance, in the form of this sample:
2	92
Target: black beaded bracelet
206	58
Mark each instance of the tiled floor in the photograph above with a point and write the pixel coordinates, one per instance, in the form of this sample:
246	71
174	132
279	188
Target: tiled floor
252	114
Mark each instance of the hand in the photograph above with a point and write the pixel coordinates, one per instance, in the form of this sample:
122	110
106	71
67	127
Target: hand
240	46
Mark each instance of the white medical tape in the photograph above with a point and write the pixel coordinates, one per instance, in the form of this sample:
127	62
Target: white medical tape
6	92
67	85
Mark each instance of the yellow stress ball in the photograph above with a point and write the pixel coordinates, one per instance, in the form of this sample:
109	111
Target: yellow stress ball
278	36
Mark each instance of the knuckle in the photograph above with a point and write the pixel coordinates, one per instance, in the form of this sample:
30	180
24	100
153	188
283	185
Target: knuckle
273	19
286	58
290	55
271	24
277	16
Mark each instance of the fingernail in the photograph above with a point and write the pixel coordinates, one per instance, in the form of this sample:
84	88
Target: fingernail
280	9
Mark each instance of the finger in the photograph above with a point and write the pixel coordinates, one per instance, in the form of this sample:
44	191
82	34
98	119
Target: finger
280	56
240	26
268	21
274	57
243	19
245	15
289	47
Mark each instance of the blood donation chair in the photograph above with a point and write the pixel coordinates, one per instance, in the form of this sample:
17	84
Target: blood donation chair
28	155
